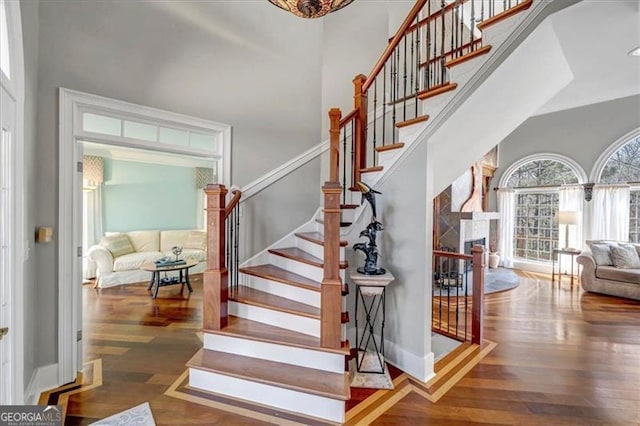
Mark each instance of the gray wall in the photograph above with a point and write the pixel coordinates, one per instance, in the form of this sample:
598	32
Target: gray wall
581	134
216	60
29	12
353	40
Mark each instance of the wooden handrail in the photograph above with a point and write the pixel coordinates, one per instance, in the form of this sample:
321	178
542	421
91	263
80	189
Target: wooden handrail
394	42
452	255
347	118
233	203
434	15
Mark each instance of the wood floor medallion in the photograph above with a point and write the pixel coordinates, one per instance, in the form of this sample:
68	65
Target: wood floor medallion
554	355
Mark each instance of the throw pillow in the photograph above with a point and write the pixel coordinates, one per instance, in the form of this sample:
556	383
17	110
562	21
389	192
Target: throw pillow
601	254
625	256
196	240
118	244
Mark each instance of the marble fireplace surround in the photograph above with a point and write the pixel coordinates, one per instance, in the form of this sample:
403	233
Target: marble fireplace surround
475	226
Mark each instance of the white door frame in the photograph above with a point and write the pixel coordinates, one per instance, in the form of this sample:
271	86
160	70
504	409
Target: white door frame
72	106
18	246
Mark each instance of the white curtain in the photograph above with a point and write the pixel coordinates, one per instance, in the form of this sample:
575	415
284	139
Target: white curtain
507	209
92	226
201	216
610	212
571	199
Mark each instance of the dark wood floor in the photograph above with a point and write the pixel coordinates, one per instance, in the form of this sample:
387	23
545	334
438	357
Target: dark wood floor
562	357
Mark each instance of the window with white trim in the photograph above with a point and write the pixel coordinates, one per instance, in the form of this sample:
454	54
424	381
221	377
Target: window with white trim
623	166
537	185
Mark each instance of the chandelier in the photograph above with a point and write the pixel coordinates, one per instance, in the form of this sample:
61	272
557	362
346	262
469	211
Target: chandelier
310	8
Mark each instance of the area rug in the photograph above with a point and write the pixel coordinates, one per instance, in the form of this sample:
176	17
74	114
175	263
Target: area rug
369	380
495	280
140	415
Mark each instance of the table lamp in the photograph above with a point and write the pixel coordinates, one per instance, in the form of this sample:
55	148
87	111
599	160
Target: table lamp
568	217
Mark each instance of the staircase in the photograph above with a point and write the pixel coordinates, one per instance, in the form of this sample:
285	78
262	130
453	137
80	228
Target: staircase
275	327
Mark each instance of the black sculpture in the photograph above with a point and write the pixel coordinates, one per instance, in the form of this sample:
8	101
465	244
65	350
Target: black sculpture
370	249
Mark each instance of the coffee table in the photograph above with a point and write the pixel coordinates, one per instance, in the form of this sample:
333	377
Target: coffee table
158	282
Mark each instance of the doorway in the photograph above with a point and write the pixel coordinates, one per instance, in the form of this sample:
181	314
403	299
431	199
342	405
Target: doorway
87	118
12	209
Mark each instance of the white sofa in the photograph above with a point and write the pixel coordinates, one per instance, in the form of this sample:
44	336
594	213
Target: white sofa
147	246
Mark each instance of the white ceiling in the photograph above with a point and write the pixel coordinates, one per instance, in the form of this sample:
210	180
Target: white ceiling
596	36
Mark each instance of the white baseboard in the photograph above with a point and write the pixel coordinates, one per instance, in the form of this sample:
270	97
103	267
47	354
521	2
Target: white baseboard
42	379
414	365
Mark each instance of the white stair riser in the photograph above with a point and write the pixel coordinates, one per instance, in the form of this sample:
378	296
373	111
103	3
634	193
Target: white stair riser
302	295
387	158
297	323
319	360
343	231
286	399
300	268
315	249
346	215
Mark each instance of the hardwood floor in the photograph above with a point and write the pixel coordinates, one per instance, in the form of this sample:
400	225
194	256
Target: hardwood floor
560	356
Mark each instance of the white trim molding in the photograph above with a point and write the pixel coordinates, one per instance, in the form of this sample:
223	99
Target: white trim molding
596	171
18	254
283	170
42	379
573	165
72	106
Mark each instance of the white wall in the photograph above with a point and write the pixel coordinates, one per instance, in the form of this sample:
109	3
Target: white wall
247	64
581	134
29	12
353	41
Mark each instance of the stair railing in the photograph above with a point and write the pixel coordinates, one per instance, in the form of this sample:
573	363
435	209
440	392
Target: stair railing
456	312
223	221
435	36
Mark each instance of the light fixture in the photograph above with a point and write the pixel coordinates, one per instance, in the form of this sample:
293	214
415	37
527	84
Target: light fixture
635	51
310	8
567	217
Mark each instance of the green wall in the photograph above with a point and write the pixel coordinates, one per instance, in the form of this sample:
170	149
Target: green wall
139	196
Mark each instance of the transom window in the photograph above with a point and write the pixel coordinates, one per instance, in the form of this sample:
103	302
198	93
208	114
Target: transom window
5	57
537	182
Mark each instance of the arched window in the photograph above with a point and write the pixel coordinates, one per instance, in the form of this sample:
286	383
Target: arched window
537	181
623	166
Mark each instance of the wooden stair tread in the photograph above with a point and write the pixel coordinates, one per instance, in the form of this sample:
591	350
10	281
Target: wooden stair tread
251	296
416	120
274	273
390	147
349	206
504	15
457	61
342	224
293	377
372	169
253	330
316	238
437	90
295	253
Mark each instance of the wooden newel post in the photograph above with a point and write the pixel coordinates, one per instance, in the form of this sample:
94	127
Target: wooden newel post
334	148
360	131
215	289
331	294
478	294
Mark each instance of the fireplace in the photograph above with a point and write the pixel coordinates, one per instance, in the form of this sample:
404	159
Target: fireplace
469	244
